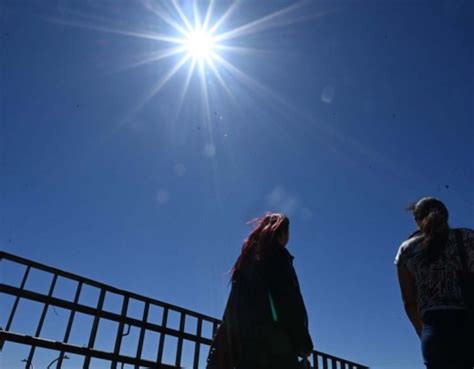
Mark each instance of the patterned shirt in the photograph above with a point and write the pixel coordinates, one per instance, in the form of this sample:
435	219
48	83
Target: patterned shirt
437	282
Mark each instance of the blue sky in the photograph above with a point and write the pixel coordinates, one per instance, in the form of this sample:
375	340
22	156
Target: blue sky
344	112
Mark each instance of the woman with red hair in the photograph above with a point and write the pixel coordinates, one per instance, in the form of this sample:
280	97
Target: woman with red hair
265	323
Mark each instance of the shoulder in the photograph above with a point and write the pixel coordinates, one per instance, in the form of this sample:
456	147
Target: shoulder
287	254
279	261
280	253
466	233
467	236
407	249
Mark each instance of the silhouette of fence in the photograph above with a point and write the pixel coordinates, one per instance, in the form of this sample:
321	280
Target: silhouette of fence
162	331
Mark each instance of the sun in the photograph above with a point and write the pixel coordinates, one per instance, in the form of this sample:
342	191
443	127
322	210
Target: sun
202	41
200	44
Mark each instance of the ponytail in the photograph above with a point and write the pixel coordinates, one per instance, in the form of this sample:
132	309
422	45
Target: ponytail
432	217
435	230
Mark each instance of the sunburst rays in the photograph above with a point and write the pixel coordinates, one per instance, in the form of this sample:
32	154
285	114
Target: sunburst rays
194	39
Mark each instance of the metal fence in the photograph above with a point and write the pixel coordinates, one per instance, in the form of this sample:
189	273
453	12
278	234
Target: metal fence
140	332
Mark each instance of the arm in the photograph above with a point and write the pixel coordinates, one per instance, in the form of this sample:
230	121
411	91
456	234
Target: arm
409	294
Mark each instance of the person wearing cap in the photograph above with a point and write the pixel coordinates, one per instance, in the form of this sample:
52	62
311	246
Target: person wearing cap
431	265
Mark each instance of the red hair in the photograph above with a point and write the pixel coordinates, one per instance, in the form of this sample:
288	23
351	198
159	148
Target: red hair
267	229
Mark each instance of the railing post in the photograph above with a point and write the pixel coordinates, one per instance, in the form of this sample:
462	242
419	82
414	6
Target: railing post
118	338
214	329
325	362
197	347
179	349
161	345
95	326
315	360
142	332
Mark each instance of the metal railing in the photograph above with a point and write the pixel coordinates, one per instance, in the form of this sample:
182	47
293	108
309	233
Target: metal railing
190	329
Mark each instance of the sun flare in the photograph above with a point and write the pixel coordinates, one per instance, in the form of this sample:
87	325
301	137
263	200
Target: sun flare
200	44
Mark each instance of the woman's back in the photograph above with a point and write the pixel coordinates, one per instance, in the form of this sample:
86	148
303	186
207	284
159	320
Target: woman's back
431	269
437	280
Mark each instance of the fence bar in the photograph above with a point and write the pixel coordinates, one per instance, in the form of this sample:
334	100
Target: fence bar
325	362
142	332
95	326
161	345
179	350
69	324
315	361
214	329
197	347
118	339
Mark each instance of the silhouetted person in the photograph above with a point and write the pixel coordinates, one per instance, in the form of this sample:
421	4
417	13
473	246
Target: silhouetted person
433	267
265	324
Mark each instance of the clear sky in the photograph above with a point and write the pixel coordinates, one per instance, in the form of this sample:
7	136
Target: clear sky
339	113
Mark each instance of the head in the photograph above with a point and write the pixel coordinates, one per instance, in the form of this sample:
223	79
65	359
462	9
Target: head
431	216
277	228
271	230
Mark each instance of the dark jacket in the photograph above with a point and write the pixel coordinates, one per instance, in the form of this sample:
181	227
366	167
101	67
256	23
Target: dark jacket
285	291
249	321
